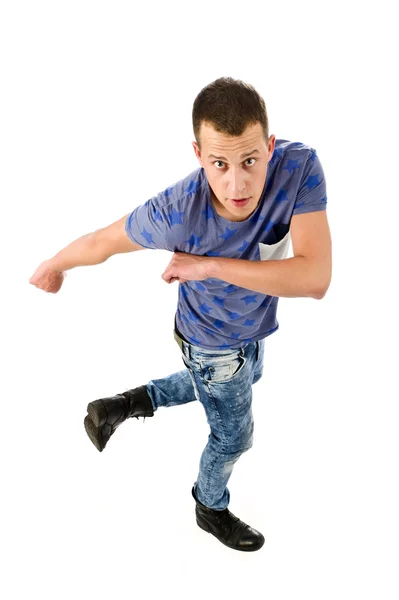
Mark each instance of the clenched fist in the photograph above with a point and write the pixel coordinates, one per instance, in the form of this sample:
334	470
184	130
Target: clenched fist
46	278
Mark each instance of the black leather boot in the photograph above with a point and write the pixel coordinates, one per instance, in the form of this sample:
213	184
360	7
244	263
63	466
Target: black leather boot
106	414
227	528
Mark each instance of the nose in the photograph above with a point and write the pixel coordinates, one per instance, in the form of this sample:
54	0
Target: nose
236	184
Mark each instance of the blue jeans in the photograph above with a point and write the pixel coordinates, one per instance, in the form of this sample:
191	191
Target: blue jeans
222	381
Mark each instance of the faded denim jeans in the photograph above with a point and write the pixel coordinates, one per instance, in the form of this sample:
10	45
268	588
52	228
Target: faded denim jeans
222	381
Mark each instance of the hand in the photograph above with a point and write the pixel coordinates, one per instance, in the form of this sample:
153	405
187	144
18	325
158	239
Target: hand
184	267
46	278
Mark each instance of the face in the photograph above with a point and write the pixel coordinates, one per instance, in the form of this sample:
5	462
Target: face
236	168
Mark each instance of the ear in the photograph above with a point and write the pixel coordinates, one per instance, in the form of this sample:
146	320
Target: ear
271	144
197	152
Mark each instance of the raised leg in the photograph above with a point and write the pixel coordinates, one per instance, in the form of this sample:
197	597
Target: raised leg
171	390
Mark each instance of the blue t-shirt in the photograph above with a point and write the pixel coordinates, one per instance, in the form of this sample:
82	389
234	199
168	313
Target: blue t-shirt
212	313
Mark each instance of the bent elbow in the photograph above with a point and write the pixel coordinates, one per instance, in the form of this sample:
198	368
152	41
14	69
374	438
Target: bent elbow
321	292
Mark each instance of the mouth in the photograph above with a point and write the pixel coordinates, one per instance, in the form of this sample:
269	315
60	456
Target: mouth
241	203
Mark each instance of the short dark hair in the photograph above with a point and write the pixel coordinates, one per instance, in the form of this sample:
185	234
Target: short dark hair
229	105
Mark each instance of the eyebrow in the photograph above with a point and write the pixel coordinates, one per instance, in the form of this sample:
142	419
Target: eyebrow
243	155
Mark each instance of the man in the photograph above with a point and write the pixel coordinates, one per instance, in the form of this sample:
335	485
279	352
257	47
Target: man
228	224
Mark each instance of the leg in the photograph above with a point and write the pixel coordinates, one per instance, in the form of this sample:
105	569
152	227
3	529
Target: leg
224	382
222	452
105	415
172	390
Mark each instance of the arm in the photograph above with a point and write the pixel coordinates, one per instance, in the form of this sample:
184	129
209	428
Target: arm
307	274
95	248
288	277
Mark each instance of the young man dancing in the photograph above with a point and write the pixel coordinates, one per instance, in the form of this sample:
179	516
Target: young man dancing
228	224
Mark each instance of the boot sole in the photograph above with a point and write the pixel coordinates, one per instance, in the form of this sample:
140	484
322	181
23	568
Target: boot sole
93	433
249	549
97	413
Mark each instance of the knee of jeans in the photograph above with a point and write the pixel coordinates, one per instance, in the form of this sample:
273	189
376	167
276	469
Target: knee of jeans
238	447
250	439
250	442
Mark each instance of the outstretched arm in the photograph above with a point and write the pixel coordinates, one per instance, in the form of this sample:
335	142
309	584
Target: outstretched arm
90	249
95	248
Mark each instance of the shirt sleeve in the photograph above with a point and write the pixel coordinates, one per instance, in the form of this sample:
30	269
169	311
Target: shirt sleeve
312	193
149	225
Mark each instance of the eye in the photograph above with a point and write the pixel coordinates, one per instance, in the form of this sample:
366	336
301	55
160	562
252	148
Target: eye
220	161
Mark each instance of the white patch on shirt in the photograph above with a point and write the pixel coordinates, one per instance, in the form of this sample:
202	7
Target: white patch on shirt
275	251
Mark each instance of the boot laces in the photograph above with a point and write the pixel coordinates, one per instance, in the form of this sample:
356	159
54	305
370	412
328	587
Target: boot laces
225	521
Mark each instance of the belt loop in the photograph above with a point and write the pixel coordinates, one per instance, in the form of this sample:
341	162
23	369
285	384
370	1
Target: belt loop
257	350
186	350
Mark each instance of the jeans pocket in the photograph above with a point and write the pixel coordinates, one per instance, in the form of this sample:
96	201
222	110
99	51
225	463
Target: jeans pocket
223	369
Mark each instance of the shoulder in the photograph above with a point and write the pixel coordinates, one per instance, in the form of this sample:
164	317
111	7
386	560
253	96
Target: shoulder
296	166
177	194
287	150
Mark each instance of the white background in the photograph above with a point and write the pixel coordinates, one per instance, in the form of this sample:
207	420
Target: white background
95	117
